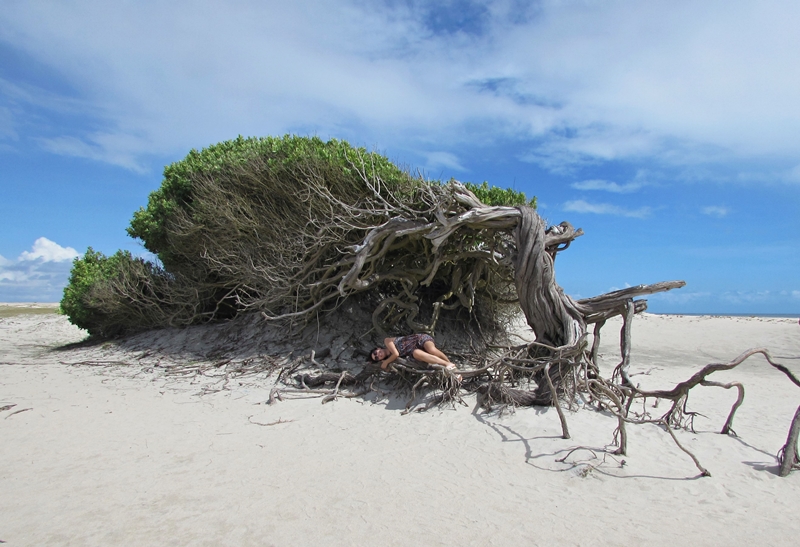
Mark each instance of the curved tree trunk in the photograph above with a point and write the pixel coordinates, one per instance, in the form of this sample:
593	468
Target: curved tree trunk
558	321
553	316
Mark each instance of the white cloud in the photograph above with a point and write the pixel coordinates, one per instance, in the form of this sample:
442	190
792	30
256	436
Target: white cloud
795	294
607	186
677	80
435	160
48	251
38	275
718	211
731	301
7	129
581	206
739	297
615	288
680	297
100	148
794	174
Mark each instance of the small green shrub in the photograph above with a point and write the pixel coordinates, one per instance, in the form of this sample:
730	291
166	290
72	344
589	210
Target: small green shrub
496	196
87	272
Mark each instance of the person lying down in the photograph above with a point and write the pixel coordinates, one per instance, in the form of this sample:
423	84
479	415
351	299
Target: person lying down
419	346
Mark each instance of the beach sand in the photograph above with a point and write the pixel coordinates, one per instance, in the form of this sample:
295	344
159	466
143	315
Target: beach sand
112	454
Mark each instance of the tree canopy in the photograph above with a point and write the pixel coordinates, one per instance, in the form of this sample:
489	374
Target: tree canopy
274	225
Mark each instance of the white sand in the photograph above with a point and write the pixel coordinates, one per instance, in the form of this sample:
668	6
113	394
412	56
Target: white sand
123	456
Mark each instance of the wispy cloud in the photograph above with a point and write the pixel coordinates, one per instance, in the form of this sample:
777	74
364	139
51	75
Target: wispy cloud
785	251
794	174
680	297
607	186
615	288
740	297
718	211
581	206
436	160
580	82
101	148
7	129
731	301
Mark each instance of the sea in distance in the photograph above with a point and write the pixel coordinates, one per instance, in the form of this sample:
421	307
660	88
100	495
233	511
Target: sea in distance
778	315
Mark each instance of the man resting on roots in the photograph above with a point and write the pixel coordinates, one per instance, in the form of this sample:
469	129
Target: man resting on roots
419	346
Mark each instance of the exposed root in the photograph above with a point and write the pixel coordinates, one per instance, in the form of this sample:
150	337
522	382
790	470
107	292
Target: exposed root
788	454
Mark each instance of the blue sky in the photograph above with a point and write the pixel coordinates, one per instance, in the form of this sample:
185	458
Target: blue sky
668	130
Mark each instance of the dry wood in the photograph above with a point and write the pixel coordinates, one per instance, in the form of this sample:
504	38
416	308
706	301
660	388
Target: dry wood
276	422
561	417
17	412
788	455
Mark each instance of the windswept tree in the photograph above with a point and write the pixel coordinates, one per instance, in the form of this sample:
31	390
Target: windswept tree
292	227
295	228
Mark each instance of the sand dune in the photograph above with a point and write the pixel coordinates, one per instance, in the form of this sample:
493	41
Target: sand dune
124	455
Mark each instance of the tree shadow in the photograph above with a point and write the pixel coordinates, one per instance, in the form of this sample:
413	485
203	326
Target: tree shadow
761	466
89	342
582	468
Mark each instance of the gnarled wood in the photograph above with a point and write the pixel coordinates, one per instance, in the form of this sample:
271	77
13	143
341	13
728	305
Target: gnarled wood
788	456
553	316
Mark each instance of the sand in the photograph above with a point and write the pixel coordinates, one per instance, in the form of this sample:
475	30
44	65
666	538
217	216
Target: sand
122	455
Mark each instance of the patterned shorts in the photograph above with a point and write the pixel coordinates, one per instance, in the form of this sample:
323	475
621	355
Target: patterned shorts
407	344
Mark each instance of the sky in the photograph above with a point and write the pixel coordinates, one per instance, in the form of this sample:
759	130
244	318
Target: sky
668	130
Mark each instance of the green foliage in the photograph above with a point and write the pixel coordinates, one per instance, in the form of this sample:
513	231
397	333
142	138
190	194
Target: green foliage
494	195
286	156
86	274
264	224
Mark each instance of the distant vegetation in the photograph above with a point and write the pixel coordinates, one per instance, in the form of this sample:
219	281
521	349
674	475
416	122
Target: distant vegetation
38	309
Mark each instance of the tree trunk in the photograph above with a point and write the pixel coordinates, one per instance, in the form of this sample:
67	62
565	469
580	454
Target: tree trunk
553	316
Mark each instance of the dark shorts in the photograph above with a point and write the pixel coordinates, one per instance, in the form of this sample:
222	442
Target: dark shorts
407	344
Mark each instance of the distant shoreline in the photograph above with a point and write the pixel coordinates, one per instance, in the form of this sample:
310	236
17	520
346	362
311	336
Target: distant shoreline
773	315
30	304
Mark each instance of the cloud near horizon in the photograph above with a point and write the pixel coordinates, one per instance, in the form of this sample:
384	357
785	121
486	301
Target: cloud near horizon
36	275
718	211
741	301
581	206
48	251
573	82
